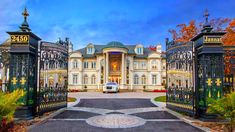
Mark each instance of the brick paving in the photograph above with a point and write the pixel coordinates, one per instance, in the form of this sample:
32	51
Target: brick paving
117	111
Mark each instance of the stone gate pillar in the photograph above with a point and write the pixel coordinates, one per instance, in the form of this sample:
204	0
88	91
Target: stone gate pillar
24	66
208	72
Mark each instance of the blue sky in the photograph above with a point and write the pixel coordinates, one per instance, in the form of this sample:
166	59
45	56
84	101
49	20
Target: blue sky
100	21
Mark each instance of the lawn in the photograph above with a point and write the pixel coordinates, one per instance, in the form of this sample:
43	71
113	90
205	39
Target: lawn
160	99
70	99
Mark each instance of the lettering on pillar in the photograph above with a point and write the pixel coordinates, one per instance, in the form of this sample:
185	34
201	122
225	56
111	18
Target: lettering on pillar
212	39
20	39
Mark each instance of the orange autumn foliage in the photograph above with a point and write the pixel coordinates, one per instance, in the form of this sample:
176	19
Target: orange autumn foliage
187	32
229	37
184	33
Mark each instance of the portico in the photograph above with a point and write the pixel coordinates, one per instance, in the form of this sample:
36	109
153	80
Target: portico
115	64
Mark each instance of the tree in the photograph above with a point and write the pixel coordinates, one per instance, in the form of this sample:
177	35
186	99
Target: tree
184	32
8	105
229	37
153	48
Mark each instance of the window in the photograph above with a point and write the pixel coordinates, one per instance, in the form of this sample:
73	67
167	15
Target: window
75	78
85	79
139	50
85	65
136	79
143	79
143	65
93	65
154	79
154	64
135	65
75	64
93	79
90	50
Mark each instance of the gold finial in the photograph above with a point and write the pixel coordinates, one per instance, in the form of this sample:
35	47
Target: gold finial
25	13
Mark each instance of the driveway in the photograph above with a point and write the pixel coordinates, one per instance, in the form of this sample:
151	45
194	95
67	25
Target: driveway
88	95
114	114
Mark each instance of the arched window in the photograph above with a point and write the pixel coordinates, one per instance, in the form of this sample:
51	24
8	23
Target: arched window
85	79
154	64
136	79
75	64
143	79
93	79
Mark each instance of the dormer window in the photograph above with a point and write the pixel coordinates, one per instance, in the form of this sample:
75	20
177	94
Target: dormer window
90	49
139	49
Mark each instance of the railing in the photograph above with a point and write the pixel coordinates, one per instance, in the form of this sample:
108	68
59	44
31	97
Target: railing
181	98
51	99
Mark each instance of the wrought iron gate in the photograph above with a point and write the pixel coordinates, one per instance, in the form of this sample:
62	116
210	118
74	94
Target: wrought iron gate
53	77
180	90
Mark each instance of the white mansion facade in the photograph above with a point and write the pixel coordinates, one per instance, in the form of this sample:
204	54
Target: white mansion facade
131	66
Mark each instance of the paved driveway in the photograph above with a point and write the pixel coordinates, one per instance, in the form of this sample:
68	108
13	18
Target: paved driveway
114	115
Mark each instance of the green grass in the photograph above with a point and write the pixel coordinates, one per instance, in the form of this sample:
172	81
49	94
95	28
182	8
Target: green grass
160	99
70	99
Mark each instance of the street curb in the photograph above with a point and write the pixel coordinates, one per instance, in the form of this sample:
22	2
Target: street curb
180	116
44	119
71	104
206	129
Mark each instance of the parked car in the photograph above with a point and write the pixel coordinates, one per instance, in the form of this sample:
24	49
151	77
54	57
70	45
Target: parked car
111	87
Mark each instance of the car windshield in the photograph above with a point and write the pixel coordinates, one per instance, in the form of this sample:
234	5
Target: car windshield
111	83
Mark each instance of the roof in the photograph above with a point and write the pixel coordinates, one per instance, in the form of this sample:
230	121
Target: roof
115	44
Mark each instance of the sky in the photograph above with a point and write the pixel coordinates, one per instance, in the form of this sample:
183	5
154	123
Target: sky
100	21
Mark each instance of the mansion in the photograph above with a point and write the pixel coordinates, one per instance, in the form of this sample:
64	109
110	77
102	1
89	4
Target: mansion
133	67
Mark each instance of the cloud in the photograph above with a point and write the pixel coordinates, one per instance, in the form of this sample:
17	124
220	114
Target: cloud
10	14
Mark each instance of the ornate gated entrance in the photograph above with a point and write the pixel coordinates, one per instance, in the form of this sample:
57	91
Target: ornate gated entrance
39	68
213	68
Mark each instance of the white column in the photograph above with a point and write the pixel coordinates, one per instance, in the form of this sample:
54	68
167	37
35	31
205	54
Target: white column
123	70
98	66
107	67
131	73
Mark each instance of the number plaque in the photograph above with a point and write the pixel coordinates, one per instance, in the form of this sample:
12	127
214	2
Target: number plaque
20	39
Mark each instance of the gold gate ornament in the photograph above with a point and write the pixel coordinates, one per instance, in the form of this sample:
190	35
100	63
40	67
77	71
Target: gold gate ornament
218	82
22	80
209	81
14	80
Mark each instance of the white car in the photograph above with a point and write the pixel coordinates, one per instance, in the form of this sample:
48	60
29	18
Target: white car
110	87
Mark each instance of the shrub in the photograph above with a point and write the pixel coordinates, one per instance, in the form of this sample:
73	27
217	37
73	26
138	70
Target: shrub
8	105
225	108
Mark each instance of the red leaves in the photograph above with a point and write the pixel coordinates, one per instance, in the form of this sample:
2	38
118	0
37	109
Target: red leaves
229	37
184	32
151	47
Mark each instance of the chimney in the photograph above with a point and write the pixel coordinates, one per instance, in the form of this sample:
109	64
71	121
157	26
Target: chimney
159	48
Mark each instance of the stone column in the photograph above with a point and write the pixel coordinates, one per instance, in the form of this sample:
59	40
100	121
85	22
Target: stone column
123	71
107	68
98	67
131	73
